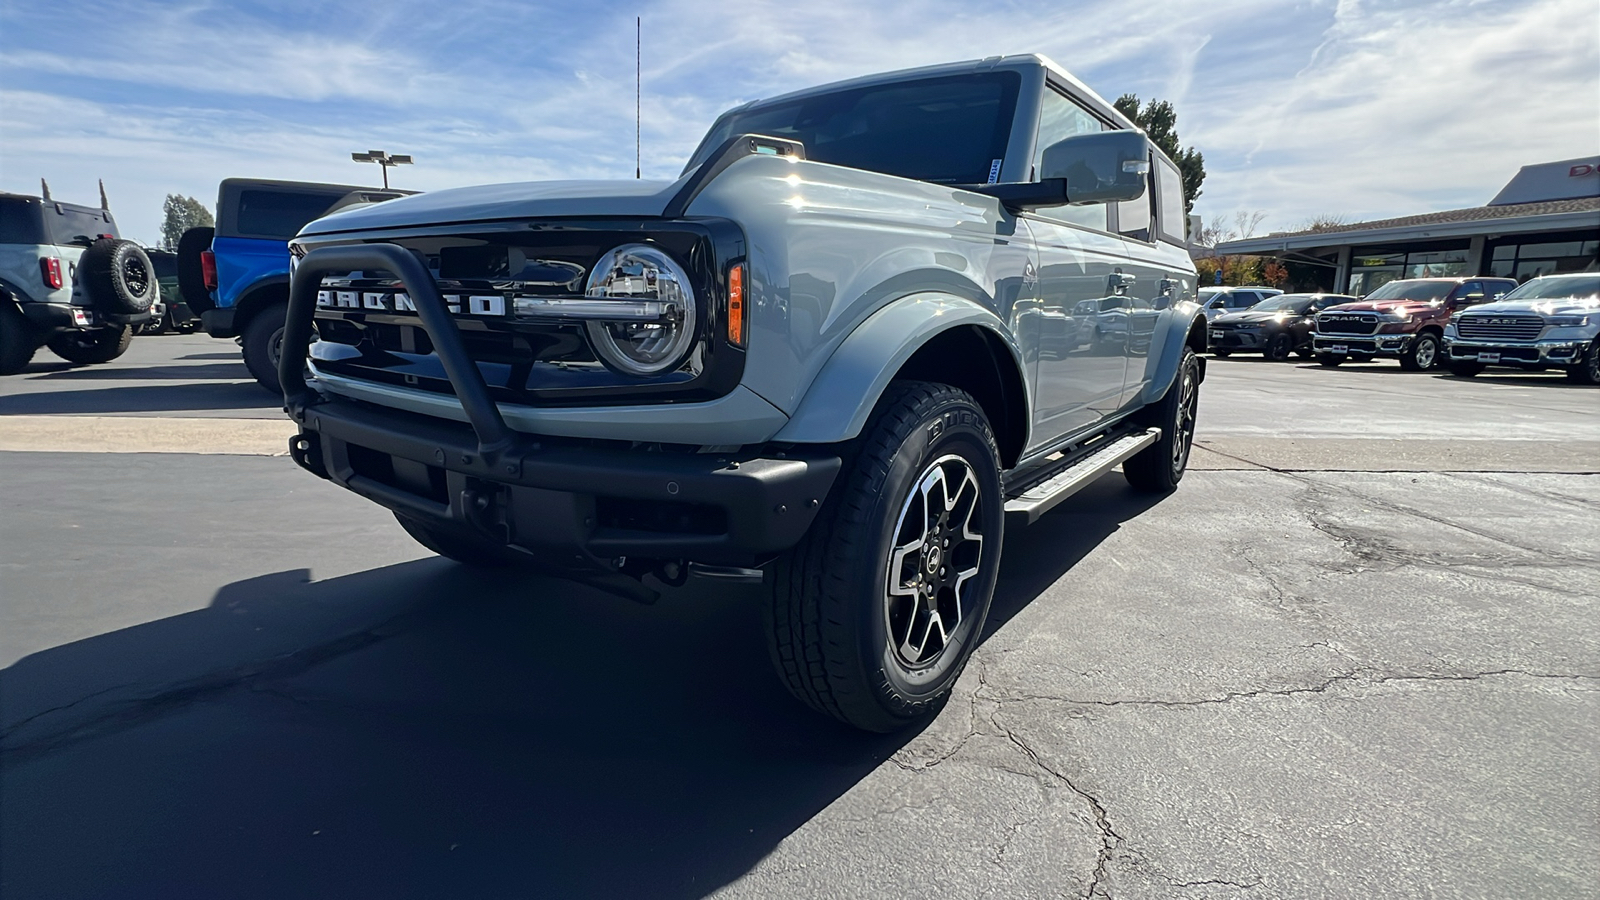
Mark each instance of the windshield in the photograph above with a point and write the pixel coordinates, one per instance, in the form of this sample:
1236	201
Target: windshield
1413	290
944	130
1553	288
1293	302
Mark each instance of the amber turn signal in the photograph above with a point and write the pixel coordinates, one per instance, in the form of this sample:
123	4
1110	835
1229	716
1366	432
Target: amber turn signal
736	305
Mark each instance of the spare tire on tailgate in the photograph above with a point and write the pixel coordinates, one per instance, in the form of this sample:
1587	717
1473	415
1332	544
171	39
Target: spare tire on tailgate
191	274
119	277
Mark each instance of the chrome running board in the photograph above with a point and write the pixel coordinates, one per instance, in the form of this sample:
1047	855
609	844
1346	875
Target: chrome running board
1042	497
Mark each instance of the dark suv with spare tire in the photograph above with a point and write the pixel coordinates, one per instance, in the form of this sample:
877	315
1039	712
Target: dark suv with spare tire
67	282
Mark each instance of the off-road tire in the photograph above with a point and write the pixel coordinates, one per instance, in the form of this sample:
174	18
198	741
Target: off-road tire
1587	369
461	546
1331	359
17	345
1305	353
829	617
119	277
99	345
262	342
1423	354
1279	346
1463	369
191	275
1158	468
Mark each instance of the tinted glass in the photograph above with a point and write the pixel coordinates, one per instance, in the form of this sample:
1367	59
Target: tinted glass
1298	303
1552	288
1059	119
69	223
1243	299
19	222
945	130
279	214
1413	290
1169	190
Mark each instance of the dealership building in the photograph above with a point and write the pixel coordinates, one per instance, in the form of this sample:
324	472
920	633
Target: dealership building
1546	219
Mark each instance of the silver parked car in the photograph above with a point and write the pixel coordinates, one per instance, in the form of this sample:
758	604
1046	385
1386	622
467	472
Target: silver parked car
1216	301
1551	322
869	324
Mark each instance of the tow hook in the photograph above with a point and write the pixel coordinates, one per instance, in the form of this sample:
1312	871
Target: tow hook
306	451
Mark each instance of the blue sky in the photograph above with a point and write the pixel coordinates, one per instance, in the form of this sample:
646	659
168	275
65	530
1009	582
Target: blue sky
1302	107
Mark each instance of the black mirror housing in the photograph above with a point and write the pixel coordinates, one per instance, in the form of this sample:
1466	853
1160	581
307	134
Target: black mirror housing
1101	167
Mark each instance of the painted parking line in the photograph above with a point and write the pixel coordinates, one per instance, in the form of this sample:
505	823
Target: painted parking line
130	434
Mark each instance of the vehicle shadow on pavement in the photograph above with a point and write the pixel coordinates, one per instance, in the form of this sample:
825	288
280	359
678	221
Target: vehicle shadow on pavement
140	398
219	371
427	730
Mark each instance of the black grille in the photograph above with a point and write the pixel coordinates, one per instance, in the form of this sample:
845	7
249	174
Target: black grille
1499	328
1347	323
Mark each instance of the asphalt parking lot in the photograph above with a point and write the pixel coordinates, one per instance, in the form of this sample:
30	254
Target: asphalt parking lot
1355	655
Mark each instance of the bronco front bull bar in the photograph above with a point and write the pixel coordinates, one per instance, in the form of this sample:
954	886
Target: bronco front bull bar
494	437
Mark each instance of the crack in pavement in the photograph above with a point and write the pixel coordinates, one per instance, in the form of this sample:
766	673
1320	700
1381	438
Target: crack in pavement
1358	675
1109	839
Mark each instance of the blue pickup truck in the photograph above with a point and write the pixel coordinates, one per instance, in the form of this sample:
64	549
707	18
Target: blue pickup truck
237	274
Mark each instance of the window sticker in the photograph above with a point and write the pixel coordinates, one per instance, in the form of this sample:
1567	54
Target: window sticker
994	171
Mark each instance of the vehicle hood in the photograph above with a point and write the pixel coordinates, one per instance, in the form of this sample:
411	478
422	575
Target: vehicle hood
1548	307
524	200
1382	306
1250	317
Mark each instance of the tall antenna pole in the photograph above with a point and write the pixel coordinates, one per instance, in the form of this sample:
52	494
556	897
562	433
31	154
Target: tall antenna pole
638	29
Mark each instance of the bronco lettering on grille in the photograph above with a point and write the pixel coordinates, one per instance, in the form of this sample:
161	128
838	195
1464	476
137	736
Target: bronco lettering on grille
396	301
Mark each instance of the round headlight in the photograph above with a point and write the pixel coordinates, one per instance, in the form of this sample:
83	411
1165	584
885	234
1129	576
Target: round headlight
641	272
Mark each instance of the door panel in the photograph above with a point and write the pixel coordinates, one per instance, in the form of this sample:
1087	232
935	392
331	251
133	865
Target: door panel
1082	329
1150	298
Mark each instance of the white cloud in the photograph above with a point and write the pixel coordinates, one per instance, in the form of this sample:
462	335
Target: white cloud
1299	107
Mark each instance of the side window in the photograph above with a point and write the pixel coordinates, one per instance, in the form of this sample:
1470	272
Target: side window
1134	216
1470	292
1243	299
280	214
1059	119
1169	203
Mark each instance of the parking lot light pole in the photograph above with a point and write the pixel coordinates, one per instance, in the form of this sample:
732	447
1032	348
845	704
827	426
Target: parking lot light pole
383	159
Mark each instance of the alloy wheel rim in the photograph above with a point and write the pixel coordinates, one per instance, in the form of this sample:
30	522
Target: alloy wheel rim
1183	427
135	276
934	558
1425	353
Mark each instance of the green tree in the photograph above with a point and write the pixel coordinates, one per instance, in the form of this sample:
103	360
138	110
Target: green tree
1160	121
179	214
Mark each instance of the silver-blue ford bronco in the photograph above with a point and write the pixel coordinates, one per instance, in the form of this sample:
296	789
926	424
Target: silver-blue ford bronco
868	324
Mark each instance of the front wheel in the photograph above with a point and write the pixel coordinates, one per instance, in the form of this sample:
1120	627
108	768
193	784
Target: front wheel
1159	467
89	347
873	615
1330	359
1423	353
1587	369
1279	348
262	341
1464	369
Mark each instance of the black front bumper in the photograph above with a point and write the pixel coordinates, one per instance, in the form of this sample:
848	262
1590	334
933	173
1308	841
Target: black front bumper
574	504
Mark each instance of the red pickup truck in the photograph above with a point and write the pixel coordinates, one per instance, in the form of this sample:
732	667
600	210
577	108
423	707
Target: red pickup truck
1401	320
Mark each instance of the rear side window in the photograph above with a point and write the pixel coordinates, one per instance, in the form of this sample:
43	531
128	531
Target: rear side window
280	214
19	222
1169	202
66	224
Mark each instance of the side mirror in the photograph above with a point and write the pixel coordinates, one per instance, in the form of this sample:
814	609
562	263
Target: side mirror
1101	167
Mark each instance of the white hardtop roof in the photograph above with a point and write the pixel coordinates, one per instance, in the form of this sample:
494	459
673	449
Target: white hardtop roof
1021	61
